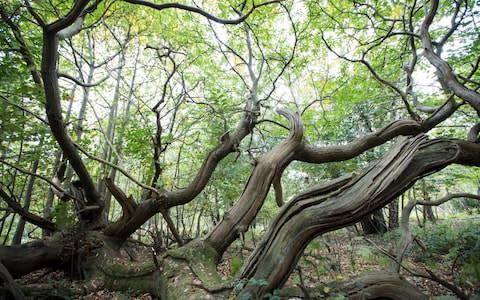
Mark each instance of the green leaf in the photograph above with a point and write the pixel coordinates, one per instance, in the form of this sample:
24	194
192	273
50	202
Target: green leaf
235	265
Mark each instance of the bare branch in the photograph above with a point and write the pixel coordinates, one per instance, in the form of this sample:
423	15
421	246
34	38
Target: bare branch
453	25
34	14
116	168
233	51
273	122
83	84
53	184
375	74
24	50
444	71
5	99
290	58
201	11
72	23
71	30
446	198
27	216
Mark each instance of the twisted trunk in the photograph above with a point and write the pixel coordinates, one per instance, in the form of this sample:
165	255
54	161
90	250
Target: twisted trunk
343	202
236	222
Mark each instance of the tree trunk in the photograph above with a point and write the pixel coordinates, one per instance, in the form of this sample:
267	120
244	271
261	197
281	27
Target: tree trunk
119	144
236	221
57	125
374	223
17	238
14	290
378	286
345	201
58	164
25	258
393	214
189	272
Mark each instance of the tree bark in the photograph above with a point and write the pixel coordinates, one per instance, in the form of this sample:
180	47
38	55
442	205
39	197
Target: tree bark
11	285
236	221
164	200
374	223
53	108
393	214
378	286
23	259
17	238
444	71
343	202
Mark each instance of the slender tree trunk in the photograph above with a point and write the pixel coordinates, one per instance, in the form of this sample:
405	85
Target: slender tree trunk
78	129
110	136
17	238
393	214
427	210
9	229
57	165
126	117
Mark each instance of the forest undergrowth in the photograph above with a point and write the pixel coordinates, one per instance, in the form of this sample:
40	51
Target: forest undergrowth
450	249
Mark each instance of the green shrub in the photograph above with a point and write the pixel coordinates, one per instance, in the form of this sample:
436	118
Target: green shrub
459	243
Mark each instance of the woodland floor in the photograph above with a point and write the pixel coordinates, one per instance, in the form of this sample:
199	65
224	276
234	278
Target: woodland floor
334	256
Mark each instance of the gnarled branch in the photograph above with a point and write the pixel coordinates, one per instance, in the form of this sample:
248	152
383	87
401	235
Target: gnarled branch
341	203
200	11
258	184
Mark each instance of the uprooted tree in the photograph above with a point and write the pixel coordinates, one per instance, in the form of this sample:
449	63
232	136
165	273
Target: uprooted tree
379	49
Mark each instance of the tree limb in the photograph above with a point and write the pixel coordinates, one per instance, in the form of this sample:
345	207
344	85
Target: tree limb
5	99
444	71
121	170
200	11
26	55
12	286
332	206
53	184
313	154
446	198
267	167
27	216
